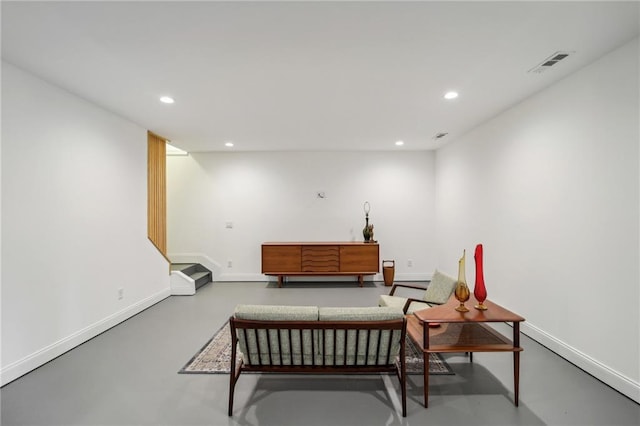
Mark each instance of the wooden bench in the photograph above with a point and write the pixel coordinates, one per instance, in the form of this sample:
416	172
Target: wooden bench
321	346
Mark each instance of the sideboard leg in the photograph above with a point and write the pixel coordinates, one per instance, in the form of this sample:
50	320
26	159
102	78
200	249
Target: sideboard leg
280	277
361	280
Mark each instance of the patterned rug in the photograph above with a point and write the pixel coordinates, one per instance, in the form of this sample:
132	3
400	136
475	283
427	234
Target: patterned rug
215	356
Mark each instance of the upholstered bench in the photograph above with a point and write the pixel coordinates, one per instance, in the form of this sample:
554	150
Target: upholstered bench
438	292
313	340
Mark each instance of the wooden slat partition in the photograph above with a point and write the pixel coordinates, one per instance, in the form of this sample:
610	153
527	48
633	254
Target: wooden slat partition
157	191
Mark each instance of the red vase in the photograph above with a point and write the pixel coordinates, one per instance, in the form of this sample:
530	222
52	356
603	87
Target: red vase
479	290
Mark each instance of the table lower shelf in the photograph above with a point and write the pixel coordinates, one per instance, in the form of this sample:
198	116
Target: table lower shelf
459	337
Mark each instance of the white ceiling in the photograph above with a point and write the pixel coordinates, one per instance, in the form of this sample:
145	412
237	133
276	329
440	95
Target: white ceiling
308	75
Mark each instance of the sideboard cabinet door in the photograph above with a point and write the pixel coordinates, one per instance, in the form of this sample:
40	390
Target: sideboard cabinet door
279	259
359	258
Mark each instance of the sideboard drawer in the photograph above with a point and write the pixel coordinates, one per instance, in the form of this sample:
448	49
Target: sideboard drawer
320	259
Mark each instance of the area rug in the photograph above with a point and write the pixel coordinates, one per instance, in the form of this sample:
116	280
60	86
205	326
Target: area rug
215	356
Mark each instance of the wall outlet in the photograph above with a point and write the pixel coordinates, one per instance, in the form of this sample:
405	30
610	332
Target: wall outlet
229	264
120	293
409	263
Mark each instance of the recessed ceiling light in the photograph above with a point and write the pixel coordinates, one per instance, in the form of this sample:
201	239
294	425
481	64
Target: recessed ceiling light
228	144
399	143
451	95
166	99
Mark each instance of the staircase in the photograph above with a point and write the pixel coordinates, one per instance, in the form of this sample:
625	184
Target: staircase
186	278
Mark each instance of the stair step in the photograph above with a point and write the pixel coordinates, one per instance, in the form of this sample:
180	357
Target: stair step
198	273
185	268
202	278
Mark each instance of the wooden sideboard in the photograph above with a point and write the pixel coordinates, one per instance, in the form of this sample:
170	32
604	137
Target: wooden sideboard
320	258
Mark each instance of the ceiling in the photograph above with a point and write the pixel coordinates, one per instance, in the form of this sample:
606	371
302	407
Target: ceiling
309	75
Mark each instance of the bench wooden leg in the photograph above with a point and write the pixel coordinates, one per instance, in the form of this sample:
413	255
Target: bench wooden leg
232	386
234	374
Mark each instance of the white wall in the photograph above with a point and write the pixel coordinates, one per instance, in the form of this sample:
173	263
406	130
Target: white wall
271	196
551	188
73	222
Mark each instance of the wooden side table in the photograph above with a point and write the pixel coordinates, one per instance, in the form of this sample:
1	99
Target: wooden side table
464	332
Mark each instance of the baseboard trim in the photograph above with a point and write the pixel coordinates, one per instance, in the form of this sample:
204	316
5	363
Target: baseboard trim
248	277
29	363
417	276
611	377
230	277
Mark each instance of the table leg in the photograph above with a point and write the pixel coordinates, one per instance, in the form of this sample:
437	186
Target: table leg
280	278
516	362
516	376
361	280
425	362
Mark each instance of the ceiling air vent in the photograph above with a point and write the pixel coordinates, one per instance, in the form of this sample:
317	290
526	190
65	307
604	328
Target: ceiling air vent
549	62
440	135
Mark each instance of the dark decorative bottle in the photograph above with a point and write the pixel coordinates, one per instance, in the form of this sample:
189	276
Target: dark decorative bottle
365	232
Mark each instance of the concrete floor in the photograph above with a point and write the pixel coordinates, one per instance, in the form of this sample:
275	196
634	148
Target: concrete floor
129	376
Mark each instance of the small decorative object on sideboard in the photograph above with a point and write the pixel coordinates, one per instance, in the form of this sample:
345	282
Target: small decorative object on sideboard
479	290
371	240
462	290
367	232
